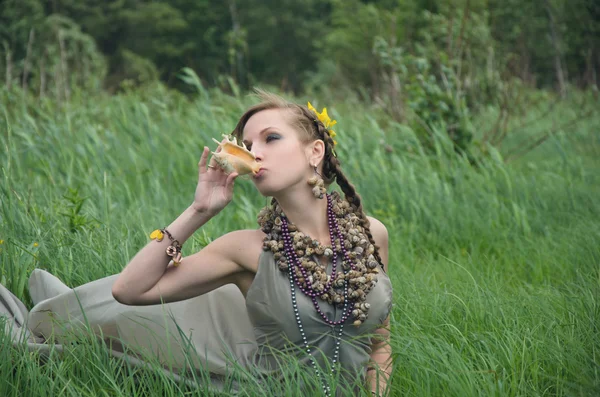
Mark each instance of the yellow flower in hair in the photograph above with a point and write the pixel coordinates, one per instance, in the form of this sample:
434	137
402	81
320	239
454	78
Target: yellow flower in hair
325	119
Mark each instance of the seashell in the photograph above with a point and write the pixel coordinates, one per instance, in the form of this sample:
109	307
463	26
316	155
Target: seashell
233	157
177	259
357	323
317	192
328	252
338	299
282	264
313	181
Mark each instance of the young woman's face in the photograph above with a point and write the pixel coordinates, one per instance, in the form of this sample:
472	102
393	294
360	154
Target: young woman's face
277	146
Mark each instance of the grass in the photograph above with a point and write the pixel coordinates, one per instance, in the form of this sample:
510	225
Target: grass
496	269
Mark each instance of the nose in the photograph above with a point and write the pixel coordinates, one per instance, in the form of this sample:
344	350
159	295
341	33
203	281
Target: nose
257	155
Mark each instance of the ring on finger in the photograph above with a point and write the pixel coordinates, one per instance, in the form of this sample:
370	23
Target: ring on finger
211	166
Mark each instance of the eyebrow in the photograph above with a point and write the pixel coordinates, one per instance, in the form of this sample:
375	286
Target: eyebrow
259	134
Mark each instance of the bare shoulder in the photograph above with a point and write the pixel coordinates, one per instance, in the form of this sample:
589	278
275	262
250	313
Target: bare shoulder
380	235
243	247
378	230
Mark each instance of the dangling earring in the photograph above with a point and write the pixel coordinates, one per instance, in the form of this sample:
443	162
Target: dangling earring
318	184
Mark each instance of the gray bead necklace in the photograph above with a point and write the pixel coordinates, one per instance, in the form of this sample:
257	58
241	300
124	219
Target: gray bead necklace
292	261
336	354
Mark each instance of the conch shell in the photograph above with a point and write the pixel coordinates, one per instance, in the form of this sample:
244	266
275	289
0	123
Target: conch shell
235	158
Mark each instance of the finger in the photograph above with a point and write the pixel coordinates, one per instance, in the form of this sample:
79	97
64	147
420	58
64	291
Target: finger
202	162
213	164
230	180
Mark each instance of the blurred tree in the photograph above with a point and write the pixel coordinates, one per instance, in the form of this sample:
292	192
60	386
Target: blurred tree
47	53
284	42
282	37
19	21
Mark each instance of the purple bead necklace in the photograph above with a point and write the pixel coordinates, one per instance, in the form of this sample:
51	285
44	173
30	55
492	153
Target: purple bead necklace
294	263
309	290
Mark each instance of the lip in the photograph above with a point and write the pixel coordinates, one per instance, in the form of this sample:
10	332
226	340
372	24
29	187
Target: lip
259	173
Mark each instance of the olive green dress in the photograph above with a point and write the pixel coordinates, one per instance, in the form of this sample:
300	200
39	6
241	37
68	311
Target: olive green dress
222	327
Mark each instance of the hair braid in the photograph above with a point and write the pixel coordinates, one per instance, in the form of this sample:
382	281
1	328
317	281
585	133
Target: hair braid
332	171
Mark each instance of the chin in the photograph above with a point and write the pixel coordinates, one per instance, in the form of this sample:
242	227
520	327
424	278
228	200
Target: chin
266	190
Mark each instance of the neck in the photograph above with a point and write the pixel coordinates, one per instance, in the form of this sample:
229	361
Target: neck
308	213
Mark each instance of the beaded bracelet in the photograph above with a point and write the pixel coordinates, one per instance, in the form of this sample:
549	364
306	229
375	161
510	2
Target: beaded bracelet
173	250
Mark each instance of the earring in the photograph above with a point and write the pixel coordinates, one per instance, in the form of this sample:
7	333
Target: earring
318	184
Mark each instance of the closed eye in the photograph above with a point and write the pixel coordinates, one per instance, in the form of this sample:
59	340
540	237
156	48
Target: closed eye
272	137
268	139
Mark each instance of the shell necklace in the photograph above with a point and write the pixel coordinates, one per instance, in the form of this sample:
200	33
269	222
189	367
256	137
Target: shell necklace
294	253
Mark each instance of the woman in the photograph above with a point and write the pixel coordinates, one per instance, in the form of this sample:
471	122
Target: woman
313	277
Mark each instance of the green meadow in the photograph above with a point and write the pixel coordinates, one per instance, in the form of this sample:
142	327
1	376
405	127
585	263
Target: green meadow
495	265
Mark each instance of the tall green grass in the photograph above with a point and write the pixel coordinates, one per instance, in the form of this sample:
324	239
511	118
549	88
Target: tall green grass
496	268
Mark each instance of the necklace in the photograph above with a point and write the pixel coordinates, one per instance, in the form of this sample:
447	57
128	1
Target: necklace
307	348
292	260
294	253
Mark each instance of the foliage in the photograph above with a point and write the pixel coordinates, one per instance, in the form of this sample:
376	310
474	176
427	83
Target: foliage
285	43
48	53
494	268
433	105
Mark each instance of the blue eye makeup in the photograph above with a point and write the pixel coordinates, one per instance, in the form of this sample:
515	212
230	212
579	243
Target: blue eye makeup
271	137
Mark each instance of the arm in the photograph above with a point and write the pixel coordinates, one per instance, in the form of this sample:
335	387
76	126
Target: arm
149	279
380	366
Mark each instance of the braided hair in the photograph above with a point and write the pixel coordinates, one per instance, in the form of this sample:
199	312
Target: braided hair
312	128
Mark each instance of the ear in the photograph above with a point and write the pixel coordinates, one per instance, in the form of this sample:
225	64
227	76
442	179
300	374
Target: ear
315	151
